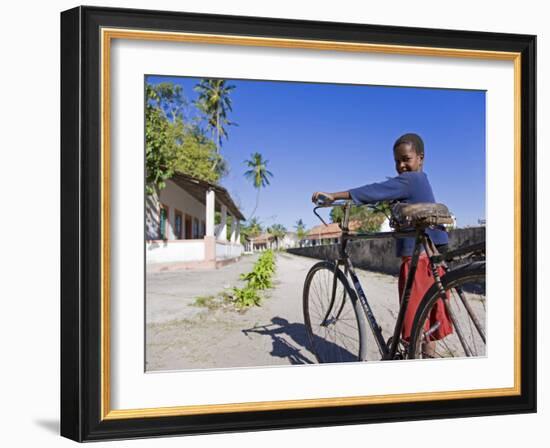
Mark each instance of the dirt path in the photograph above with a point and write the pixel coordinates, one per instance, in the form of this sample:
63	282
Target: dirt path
182	336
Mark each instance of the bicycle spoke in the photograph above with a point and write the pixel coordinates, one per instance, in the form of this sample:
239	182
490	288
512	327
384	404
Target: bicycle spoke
465	307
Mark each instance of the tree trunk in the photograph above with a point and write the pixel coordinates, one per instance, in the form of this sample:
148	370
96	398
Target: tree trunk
256	206
217	142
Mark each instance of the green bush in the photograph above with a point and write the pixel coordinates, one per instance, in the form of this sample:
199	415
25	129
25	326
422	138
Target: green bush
260	278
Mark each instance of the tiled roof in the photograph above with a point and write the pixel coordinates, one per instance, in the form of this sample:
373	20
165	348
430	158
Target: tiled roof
331	230
263	238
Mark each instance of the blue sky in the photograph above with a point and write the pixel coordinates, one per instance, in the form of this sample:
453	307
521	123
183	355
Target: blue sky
333	137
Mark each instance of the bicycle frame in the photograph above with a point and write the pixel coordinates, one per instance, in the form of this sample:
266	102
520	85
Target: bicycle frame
422	240
385	351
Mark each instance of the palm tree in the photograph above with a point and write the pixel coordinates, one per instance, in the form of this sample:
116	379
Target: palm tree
254	227
257	174
251	229
300	230
214	102
278	231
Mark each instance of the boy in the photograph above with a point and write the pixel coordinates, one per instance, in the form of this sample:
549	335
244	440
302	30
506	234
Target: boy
410	186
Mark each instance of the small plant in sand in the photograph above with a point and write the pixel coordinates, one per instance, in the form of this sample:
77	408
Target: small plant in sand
260	278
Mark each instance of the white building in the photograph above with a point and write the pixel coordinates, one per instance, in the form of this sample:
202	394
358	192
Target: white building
180	225
385	226
268	241
261	242
327	234
290	240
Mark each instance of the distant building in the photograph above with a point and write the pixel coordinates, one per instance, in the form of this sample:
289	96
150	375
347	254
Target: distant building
327	234
260	243
385	226
268	241
290	240
180	224
453	217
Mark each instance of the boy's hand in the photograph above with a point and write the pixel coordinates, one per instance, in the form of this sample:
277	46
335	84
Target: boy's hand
321	198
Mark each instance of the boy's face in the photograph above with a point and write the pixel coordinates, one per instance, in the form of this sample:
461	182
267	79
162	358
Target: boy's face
406	158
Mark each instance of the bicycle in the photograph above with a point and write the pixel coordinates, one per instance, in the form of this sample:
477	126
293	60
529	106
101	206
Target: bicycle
336	311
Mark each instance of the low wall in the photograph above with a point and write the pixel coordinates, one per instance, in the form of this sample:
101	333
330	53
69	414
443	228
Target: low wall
379	255
174	250
228	250
188	250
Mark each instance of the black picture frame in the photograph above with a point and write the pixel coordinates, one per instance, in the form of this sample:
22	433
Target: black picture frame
82	209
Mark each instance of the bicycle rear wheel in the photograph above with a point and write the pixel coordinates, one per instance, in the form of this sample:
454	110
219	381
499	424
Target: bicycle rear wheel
465	308
335	324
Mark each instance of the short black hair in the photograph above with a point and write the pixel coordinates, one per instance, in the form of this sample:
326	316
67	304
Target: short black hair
412	139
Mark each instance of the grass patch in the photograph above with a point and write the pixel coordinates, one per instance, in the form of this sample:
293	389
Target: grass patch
204	301
221	300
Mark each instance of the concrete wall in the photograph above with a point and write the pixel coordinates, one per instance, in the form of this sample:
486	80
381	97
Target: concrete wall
228	250
176	250
379	255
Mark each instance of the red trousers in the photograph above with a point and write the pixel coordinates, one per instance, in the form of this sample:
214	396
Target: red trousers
423	280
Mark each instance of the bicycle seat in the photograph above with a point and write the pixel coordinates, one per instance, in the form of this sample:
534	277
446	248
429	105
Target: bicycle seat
422	214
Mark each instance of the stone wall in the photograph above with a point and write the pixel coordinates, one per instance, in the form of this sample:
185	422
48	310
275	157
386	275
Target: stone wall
379	255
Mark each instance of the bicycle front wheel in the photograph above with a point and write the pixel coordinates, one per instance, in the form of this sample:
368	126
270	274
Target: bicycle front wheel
455	326
333	317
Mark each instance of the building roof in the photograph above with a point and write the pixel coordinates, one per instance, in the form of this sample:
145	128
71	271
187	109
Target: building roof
263	238
198	188
331	230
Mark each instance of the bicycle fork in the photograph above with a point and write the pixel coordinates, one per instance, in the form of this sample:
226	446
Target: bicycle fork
327	320
376	329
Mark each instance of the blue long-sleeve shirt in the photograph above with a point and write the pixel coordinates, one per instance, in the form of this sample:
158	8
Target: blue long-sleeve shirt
411	187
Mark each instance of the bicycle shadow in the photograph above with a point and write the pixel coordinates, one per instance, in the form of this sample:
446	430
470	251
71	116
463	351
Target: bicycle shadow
290	341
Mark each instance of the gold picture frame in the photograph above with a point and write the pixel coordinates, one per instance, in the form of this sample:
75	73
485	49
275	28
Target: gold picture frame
91	350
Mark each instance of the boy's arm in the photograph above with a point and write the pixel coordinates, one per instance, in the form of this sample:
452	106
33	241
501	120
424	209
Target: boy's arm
330	197
393	189
341	195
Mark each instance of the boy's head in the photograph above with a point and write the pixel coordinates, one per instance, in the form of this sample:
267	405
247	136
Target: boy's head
408	152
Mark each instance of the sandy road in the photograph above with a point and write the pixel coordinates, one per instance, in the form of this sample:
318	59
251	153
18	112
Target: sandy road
180	335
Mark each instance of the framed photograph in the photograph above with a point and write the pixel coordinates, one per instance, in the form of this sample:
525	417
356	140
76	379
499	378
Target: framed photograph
274	223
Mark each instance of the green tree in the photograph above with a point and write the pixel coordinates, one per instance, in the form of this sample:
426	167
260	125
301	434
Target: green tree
251	229
300	230
214	102
159	145
278	231
258	174
172	144
370	219
168	97
197	154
